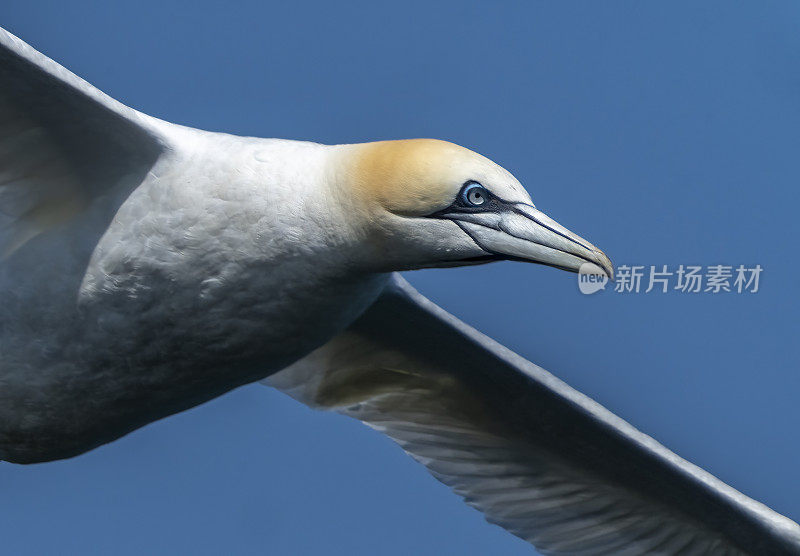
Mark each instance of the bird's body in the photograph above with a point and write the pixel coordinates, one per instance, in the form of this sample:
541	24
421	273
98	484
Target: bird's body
147	267
161	306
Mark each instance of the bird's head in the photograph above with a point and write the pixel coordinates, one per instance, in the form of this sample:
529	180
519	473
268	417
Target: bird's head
429	203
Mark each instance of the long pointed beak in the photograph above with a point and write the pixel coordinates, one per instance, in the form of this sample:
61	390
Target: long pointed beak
524	233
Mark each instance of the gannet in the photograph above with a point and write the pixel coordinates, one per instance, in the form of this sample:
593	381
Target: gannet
148	267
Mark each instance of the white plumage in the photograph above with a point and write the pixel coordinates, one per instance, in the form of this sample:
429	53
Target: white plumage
148	267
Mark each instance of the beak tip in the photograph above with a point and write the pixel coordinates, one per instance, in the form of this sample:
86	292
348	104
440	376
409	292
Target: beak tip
605	263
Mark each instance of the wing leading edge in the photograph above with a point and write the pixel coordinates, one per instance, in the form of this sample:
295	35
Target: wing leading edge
63	143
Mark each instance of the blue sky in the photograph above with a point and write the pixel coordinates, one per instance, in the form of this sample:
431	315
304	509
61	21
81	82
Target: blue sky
664	133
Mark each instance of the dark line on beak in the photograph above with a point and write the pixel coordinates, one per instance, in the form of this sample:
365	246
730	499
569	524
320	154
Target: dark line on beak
503	257
475	241
543	225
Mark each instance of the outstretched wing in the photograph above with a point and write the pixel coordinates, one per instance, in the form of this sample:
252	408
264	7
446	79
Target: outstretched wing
535	456
63	144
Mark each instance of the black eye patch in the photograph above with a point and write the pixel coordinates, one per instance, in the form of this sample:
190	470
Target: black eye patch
473	198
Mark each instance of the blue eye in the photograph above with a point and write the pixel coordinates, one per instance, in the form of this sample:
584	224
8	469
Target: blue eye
474	194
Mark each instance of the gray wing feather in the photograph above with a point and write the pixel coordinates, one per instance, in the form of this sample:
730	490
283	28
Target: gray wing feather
535	456
63	144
